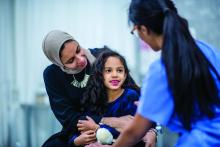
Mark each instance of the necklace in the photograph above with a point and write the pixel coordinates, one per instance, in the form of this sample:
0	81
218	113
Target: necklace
82	83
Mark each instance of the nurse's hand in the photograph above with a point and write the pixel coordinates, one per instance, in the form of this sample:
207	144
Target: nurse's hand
119	123
150	138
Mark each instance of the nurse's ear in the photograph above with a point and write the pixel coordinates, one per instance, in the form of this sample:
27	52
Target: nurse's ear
144	30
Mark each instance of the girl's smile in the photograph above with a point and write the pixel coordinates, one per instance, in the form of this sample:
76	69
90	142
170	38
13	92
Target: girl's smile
114	82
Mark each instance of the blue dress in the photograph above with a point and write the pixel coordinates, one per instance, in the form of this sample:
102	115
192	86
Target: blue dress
204	132
123	105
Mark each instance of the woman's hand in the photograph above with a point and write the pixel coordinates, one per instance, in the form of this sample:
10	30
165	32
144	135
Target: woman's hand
85	125
85	138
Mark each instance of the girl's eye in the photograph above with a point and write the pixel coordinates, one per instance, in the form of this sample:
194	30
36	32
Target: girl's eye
120	70
108	70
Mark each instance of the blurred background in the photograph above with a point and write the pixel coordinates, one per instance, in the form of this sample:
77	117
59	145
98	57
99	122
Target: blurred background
25	116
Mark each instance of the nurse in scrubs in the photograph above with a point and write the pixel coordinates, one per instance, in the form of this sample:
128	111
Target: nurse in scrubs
183	85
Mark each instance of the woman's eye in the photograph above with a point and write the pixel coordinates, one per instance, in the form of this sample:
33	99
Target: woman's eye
78	50
70	61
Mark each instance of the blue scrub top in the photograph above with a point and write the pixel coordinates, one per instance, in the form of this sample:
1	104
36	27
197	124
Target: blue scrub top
155	90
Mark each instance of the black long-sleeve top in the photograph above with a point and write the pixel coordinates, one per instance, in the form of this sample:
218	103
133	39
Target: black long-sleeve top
64	97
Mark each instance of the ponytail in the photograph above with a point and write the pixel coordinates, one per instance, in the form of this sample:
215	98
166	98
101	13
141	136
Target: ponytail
188	71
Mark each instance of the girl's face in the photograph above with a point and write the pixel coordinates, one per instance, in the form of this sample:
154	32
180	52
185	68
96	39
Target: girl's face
72	56
114	73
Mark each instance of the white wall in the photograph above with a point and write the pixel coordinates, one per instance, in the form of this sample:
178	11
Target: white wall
8	100
93	23
23	24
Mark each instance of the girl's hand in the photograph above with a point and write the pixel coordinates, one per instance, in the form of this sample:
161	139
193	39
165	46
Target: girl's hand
85	138
85	125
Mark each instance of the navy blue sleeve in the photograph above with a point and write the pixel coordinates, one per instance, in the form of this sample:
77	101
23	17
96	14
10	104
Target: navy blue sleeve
129	106
124	106
60	105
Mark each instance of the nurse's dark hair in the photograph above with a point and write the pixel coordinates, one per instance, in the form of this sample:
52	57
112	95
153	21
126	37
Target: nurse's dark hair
188	71
95	97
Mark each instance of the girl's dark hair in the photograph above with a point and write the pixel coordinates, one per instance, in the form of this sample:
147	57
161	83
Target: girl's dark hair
188	70
95	97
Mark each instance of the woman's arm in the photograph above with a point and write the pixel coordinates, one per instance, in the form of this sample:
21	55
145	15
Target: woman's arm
134	132
60	103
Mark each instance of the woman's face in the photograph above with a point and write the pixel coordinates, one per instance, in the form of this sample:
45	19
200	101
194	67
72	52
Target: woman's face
147	36
72	56
114	73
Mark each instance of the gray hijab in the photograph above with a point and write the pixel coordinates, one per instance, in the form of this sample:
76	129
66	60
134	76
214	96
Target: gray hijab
52	44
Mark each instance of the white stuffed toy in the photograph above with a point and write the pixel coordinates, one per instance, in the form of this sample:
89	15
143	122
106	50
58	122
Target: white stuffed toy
104	136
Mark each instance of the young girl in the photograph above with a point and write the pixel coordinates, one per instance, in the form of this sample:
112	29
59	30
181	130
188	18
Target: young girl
108	94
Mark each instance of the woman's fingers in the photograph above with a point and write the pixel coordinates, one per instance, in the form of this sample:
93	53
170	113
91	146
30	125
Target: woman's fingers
82	121
90	136
80	126
89	132
89	118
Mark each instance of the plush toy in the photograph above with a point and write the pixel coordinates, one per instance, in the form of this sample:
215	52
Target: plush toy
104	136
